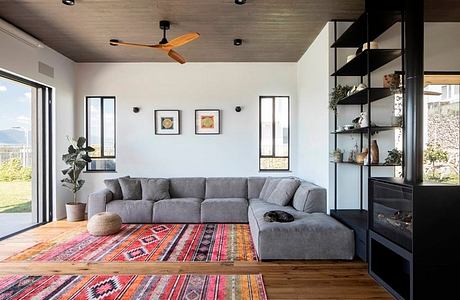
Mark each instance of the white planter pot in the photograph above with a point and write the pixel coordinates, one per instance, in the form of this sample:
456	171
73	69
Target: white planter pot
75	212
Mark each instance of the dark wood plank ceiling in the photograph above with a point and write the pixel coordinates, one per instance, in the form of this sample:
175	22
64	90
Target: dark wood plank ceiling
272	30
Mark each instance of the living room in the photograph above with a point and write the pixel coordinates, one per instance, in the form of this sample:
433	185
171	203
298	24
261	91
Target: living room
229	150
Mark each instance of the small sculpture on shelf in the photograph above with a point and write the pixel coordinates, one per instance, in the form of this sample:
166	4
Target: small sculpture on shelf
394	157
337	94
360	157
393	82
363	119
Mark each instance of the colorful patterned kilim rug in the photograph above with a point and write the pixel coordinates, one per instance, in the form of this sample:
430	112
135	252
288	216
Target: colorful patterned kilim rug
105	287
152	242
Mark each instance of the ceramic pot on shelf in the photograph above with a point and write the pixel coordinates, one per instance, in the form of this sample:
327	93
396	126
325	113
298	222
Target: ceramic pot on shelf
375	159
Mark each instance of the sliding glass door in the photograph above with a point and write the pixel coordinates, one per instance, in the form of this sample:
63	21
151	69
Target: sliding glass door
24	164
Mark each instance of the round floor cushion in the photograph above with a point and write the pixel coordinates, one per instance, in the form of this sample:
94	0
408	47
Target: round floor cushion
104	223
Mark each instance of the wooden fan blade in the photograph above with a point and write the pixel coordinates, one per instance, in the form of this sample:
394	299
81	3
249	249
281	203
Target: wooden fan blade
183	39
120	43
176	56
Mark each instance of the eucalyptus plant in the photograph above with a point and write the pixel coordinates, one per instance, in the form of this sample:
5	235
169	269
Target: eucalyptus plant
337	94
76	158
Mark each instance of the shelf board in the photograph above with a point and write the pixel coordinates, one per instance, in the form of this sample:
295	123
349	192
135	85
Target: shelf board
363	165
361	96
356	35
377	59
373	129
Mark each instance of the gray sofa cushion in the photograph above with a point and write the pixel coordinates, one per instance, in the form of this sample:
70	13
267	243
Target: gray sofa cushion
131	188
227	187
284	191
224	210
192	187
177	210
155	189
132	211
309	236
114	186
255	185
310	198
268	188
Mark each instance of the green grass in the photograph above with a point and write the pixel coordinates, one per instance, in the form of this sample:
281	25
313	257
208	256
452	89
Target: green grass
15	196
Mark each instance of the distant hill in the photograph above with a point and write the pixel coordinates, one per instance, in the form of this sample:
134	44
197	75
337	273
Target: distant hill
12	137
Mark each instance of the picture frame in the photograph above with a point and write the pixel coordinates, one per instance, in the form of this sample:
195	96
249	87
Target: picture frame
167	122
207	121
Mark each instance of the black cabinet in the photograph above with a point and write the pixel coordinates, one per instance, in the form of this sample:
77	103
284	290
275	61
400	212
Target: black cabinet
413	231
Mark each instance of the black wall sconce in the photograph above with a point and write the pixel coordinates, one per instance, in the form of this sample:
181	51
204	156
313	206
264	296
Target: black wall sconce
238	108
136	109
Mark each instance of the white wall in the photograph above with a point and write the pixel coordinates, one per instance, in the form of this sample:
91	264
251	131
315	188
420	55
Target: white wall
313	85
22	59
186	87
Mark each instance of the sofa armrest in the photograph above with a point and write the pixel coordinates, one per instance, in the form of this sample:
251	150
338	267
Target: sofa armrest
310	198
97	202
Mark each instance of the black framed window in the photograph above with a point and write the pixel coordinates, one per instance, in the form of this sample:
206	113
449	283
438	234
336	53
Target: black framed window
274	141
101	132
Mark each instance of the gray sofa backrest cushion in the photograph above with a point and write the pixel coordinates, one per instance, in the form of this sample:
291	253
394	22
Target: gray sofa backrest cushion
155	189
255	185
226	187
191	187
269	187
114	186
284	191
310	198
131	188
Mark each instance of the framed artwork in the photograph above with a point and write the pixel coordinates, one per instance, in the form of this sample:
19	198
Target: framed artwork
167	122
207	121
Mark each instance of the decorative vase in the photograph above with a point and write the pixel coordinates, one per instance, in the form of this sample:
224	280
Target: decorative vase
374	152
75	211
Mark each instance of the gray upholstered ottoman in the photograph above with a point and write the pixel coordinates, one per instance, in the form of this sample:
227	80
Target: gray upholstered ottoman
310	236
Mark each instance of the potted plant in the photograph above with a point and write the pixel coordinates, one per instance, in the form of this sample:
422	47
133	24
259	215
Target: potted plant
337	94
337	155
76	158
394	157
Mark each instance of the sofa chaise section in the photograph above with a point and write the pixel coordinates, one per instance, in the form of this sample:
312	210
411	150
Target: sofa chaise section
309	236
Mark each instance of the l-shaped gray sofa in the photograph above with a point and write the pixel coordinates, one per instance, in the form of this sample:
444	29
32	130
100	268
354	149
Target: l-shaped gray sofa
312	235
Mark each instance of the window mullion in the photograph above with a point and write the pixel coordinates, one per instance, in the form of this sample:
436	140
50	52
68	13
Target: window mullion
102	127
273	128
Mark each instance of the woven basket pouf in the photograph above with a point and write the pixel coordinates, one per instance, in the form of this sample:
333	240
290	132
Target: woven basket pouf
104	223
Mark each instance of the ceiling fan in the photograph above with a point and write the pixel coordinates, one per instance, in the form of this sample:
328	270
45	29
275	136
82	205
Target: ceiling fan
164	44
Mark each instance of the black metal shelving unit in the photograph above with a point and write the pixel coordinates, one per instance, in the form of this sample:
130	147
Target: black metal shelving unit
370	25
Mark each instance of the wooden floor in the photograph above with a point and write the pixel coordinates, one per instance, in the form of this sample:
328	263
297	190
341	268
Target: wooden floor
283	280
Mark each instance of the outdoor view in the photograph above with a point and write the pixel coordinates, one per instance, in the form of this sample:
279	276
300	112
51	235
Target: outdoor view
15	156
442	129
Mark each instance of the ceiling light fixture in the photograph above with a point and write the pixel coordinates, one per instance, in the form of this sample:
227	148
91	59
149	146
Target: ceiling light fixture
68	2
237	42
240	2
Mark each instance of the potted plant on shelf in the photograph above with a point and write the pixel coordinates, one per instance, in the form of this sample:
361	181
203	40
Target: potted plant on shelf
394	157
337	94
337	155
76	158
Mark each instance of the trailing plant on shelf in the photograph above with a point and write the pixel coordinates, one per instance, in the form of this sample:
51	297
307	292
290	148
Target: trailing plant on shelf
394	157
337	94
76	158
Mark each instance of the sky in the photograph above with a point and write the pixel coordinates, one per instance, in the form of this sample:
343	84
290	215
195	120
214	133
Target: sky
15	105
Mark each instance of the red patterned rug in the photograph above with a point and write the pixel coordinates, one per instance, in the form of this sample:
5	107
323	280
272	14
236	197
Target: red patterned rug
105	287
152	242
